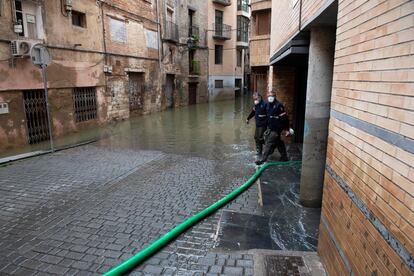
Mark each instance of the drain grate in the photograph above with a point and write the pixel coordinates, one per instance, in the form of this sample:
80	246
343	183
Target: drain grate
283	265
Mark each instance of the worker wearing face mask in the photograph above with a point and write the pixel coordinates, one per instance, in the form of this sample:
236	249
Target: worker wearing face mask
278	122
259	111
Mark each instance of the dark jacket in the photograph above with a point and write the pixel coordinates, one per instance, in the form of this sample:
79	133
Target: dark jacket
260	113
278	119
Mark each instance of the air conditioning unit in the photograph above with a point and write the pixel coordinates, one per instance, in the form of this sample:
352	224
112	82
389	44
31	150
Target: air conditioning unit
21	48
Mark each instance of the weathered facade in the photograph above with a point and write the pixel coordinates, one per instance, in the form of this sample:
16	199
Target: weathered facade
260	45
111	60
184	52
228	23
358	131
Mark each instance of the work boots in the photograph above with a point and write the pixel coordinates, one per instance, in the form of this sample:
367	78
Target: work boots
259	149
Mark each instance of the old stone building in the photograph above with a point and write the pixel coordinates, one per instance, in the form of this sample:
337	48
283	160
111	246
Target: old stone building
345	71
110	60
228	40
184	51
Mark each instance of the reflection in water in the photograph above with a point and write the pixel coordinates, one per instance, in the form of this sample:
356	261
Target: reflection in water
215	131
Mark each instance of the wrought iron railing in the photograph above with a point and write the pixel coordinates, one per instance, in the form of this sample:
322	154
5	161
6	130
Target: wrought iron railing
222	31
171	31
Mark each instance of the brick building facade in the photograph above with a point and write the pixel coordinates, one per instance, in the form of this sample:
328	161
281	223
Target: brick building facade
110	61
358	126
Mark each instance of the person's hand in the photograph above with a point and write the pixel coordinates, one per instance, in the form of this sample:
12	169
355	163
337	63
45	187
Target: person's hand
289	132
247	122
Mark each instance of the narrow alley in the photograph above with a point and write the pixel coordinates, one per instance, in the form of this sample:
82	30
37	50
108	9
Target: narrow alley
85	209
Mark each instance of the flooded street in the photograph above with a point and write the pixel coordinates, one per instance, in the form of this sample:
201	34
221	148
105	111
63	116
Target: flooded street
88	208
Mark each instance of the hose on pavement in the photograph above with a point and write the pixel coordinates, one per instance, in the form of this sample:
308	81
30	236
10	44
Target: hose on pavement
144	254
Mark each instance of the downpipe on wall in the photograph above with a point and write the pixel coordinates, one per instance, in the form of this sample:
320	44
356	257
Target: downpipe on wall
153	248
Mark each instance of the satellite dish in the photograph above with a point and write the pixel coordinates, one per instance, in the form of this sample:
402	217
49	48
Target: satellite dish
40	56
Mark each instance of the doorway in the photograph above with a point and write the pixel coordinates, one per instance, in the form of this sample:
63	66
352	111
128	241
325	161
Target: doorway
192	93
136	91
237	87
169	91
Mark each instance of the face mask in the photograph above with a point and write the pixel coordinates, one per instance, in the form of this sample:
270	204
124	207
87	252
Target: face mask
271	99
256	102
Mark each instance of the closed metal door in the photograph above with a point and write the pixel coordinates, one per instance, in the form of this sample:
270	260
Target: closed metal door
36	116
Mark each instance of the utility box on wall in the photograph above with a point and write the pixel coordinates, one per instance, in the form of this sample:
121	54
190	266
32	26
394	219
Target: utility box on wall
4	108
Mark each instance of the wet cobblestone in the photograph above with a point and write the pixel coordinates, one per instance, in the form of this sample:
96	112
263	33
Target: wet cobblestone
84	210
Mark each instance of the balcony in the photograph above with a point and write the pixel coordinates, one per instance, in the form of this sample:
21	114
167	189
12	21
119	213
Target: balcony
171	32
223	2
221	31
195	67
243	5
259	5
259	50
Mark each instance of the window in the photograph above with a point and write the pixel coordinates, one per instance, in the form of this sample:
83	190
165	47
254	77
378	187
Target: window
218	54
243	5
219	17
218	84
29	17
79	19
262	23
84	103
118	30
239	53
19	15
242	29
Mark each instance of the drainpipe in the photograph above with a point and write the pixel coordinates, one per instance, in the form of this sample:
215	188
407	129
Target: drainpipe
103	32
159	35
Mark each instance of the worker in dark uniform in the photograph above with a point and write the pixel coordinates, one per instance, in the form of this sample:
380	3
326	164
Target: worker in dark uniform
278	122
259	111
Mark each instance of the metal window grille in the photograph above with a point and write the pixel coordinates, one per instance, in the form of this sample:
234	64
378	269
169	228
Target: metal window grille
36	116
84	103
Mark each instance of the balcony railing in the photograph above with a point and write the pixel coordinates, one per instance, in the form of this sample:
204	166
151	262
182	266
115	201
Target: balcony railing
221	31
223	2
195	67
171	31
193	31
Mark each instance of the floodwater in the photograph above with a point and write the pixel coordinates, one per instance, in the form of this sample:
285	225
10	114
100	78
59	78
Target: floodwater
217	131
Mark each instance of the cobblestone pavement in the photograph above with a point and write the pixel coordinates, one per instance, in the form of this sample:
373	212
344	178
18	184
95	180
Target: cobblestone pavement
84	210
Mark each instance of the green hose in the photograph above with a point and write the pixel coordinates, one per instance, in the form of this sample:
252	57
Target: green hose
140	257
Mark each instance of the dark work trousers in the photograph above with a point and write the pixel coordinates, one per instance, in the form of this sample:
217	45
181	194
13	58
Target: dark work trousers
273	141
259	138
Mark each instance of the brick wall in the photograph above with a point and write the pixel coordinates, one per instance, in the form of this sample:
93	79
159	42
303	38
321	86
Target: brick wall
285	23
310	8
368	204
284	85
